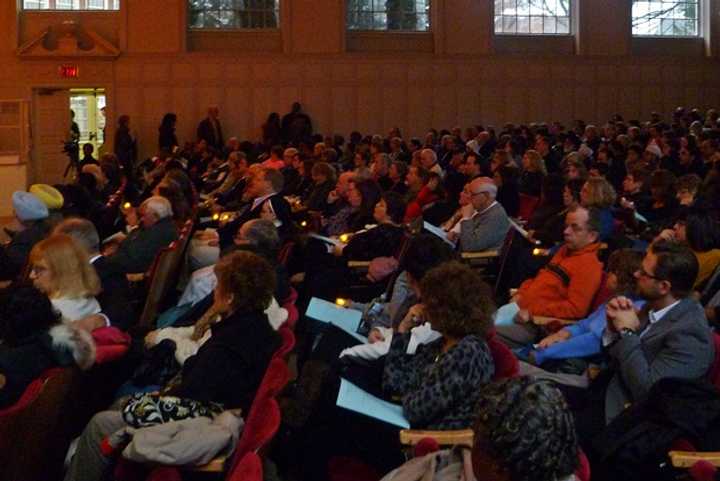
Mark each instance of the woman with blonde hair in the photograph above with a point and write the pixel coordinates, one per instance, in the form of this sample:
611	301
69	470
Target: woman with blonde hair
597	192
60	268
534	171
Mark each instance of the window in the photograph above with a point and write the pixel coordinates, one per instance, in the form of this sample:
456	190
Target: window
71	4
396	15
665	18
234	14
532	17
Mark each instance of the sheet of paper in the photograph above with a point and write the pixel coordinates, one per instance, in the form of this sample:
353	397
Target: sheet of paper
640	217
329	240
355	399
438	232
346	319
520	230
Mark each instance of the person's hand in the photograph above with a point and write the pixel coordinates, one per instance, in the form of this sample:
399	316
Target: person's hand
332	197
621	314
711	314
666	234
414	317
626	204
131	217
375	336
560	336
452	236
523	316
531	236
90	323
151	338
467	211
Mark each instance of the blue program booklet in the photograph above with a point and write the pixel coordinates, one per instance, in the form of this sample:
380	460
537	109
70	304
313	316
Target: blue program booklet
346	319
355	399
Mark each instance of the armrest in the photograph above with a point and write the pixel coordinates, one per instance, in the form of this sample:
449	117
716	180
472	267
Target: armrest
217	465
685	459
489	254
359	264
461	437
135	277
543	320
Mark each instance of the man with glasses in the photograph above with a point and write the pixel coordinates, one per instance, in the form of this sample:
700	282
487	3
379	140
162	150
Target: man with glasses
669	337
483	222
564	288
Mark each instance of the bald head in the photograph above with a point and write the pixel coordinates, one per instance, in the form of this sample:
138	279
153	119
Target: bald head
482	192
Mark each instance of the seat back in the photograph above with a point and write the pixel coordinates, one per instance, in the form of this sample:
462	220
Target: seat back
285	253
163	277
506	364
528	204
276	377
261	425
248	469
714	372
288	341
292	311
36	433
602	295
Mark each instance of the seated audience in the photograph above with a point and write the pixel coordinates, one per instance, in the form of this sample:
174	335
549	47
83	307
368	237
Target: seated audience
137	251
599	194
523	431
564	288
32	340
483	222
699	230
568	349
533	172
227	369
31	214
115	296
669	337
383	240
323	175
60	269
506	180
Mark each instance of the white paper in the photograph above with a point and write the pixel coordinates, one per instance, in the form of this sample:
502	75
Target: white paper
344	318
520	230
438	232
355	399
329	240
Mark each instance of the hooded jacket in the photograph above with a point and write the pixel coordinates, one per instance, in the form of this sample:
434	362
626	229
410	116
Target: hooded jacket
62	345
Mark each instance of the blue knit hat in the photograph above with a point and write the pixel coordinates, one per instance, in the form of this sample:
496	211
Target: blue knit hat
28	207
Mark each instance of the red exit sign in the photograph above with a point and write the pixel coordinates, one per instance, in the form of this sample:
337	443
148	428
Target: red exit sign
69	71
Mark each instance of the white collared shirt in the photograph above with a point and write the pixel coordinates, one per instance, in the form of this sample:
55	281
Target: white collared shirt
258	201
655	316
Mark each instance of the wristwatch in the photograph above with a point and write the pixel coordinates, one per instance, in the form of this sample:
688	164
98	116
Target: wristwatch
627	332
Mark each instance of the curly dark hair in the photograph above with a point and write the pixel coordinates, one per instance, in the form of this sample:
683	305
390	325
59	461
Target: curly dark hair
248	277
457	301
624	263
526	426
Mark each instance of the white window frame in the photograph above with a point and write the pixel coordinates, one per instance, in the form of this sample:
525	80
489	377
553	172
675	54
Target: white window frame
698	22
83	5
569	33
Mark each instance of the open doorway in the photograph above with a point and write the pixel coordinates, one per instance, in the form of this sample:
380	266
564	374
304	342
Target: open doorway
89	108
57	139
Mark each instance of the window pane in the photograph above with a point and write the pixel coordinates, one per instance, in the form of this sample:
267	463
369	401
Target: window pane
666	18
233	14
396	15
71	4
532	17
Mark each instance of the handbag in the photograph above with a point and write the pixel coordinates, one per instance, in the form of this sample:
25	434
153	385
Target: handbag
149	409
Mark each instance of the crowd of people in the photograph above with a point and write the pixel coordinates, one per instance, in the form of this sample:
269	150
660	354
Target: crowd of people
604	248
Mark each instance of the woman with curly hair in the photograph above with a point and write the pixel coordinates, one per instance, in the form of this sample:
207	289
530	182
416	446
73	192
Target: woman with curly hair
441	382
523	431
227	369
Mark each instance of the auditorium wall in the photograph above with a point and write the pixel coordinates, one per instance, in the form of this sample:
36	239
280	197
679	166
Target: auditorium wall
459	74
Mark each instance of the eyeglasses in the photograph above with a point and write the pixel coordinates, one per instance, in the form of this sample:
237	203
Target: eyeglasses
643	273
37	270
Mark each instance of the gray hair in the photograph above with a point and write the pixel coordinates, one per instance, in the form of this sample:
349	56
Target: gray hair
159	206
261	233
82	231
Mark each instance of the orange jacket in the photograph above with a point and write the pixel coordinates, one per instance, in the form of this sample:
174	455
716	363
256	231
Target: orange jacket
565	288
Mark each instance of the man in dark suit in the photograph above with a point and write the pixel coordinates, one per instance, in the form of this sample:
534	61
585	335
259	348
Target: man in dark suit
210	129
157	230
264	186
669	337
